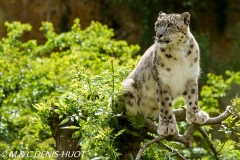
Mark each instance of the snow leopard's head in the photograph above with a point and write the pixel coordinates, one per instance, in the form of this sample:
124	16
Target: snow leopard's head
171	28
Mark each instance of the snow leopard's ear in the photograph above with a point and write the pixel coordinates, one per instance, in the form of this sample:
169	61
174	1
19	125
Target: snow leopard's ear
161	14
185	16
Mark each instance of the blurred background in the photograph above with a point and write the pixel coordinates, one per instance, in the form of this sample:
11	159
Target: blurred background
214	23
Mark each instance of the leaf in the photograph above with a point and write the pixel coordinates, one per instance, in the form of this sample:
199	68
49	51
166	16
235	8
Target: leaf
138	121
64	121
131	132
60	116
70	127
238	127
76	134
76	118
131	156
81	141
96	158
120	132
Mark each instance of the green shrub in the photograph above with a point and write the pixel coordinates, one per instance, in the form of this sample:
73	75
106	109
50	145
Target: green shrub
32	73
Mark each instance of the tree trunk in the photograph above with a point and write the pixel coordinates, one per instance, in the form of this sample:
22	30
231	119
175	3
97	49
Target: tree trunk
127	143
67	147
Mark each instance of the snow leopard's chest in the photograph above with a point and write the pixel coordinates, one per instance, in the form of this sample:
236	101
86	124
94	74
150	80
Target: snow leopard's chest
176	69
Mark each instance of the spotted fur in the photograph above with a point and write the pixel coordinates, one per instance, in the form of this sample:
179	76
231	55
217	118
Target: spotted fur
168	69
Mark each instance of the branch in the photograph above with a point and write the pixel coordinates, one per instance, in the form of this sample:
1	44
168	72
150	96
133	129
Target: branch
159	138
186	138
221	117
152	127
173	150
211	145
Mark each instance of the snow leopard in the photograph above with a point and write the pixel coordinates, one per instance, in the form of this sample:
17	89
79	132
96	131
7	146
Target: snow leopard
170	68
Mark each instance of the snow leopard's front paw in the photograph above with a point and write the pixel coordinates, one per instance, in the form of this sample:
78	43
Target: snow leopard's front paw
199	117
167	130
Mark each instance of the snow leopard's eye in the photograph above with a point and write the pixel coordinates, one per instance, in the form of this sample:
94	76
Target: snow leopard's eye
169	25
156	26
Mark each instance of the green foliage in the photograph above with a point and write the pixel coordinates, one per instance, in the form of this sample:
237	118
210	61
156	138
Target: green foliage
155	152
180	102
41	74
137	121
89	102
229	147
215	88
44	111
231	128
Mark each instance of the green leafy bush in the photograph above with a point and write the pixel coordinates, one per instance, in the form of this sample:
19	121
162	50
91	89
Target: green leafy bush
32	73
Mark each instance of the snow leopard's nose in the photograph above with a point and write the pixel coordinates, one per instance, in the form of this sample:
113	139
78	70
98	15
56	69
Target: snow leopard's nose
159	33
